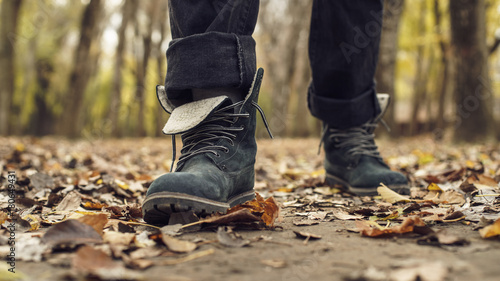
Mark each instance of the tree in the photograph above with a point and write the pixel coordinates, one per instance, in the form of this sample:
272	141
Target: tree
471	82
81	72
128	11
385	74
9	15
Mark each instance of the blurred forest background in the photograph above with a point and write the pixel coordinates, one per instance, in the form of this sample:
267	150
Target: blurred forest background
89	68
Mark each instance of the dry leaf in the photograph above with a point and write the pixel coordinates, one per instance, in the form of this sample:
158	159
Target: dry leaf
391	196
88	259
305	222
71	232
408	225
306	235
113	237
442	238
491	230
239	216
343	215
96	221
70	202
228	238
275	263
267	209
177	245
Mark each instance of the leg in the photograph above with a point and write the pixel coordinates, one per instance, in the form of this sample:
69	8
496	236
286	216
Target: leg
212	46
212	55
343	50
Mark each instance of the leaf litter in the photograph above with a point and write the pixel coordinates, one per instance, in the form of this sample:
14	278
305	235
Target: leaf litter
82	198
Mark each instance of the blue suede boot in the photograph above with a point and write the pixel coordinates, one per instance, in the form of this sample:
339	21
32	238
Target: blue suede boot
216	168
353	161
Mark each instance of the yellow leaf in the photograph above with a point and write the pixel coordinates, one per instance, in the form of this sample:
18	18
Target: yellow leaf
391	196
33	220
121	184
435	187
491	230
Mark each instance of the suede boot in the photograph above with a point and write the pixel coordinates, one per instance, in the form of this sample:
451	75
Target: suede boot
353	161
216	168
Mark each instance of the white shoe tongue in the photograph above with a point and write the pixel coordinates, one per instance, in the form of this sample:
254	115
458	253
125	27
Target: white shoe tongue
189	115
383	101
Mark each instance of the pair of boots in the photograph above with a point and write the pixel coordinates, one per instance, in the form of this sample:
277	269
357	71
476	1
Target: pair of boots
216	168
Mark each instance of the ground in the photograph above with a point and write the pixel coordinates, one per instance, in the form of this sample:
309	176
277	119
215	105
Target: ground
437	233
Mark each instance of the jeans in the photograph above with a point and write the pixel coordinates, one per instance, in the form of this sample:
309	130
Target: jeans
212	47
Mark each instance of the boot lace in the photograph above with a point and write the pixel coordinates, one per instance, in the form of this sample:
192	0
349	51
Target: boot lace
203	138
356	140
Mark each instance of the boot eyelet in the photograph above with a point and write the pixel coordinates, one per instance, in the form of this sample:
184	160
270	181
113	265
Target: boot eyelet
242	127
217	155
226	150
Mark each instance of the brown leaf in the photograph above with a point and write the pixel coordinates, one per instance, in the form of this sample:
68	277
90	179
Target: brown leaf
442	238
228	238
70	202
88	259
267	209
491	230
71	232
114	237
306	236
96	221
408	225
343	215
239	216
177	245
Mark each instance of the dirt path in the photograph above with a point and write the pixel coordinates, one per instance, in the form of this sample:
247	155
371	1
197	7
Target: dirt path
289	170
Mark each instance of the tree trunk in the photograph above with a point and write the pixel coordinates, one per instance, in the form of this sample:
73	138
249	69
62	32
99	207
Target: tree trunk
80	75
474	96
142	65
387	55
160	60
420	76
9	15
445	62
128	11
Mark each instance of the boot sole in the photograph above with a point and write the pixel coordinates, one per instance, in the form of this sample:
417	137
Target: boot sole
364	191
158	207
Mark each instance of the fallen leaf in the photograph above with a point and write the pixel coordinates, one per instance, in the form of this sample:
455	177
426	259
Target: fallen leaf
40	181
113	237
423	271
408	225
71	232
442	238
96	221
239	216
391	196
88	259
490	231
228	238
177	245
305	222
70	202
274	263
268	208
343	215
306	236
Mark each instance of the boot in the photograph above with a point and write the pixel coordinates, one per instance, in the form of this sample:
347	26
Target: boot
216	168
353	161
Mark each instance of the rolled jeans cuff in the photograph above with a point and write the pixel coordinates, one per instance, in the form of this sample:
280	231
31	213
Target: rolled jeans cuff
344	114
209	60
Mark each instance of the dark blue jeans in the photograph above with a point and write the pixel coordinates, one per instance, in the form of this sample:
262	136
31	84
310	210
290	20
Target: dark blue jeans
212	47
